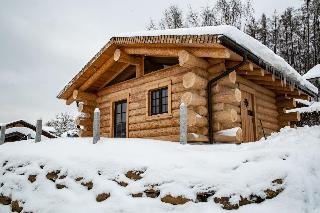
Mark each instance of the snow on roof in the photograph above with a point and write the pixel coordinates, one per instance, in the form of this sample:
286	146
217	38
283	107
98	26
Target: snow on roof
313	107
23	130
313	73
302	101
227	169
242	39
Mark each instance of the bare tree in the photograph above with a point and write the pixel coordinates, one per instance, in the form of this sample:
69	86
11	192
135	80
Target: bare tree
172	18
192	19
207	16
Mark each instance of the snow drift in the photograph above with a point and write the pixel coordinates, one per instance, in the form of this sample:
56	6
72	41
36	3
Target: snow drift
136	175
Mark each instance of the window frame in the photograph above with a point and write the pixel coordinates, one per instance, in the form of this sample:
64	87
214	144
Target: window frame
153	87
116	97
160	98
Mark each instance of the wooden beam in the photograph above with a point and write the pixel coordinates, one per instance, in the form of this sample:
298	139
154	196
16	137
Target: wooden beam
121	56
140	68
115	74
96	75
70	100
277	82
287	103
255	72
255	86
248	66
217	53
188	60
262	78
292	116
79	96
217	68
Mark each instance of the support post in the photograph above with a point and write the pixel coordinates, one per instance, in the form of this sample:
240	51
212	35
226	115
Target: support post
38	130
96	125
183	124
3	134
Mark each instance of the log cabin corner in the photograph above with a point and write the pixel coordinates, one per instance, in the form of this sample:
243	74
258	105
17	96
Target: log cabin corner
233	93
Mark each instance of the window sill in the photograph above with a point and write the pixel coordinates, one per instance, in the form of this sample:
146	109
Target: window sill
159	117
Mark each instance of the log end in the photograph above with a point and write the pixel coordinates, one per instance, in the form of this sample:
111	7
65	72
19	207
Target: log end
75	94
117	54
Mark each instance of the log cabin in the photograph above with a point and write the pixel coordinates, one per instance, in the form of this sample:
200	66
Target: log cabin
236	89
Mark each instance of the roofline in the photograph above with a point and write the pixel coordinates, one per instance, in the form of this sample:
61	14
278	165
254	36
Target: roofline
30	126
169	39
231	44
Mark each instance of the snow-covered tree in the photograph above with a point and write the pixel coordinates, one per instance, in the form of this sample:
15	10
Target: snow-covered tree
63	122
172	18
192	19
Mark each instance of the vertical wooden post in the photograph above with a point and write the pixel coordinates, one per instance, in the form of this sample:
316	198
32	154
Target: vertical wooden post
183	124
96	125
3	134
38	130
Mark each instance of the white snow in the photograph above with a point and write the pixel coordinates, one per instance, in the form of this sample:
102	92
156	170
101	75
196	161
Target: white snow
229	132
228	169
313	73
305	102
313	107
241	38
24	130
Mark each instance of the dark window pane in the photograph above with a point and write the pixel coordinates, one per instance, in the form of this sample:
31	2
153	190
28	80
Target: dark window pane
124	107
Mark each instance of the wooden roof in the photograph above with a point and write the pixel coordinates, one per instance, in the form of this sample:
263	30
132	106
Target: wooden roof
172	43
30	126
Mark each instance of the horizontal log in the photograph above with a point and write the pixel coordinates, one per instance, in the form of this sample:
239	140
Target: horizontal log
255	86
228	80
292	116
121	56
135	112
201	110
229	116
270	112
217	68
186	59
287	103
194	81
85	108
193	99
175	138
197	120
266	117
223	106
80	96
200	72
84	133
83	121
230	125
222	137
231	96
158	132
265	104
176	88
105	130
269	125
246	66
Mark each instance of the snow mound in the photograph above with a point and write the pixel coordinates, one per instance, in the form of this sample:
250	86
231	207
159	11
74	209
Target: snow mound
136	175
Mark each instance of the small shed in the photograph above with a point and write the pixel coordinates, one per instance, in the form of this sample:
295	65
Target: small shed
236	89
22	130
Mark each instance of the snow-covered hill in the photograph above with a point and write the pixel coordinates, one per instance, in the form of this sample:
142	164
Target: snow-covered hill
280	174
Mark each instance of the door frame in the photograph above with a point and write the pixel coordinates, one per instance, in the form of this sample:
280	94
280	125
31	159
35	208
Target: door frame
250	90
122	97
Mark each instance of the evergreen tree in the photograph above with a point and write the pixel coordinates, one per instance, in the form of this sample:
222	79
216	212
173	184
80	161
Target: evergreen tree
207	17
192	19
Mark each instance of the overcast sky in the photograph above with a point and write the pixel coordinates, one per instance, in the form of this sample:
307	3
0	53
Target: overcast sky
43	44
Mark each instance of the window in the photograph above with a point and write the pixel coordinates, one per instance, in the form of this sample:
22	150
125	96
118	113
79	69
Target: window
159	101
152	64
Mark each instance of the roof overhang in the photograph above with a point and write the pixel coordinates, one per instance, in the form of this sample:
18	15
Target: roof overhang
187	41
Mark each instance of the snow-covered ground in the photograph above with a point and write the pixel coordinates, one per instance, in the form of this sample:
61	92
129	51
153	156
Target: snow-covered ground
228	170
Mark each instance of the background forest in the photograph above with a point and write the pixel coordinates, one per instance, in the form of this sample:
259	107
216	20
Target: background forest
294	34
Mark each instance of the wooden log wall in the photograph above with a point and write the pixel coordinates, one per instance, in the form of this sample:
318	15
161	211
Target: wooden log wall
195	96
140	125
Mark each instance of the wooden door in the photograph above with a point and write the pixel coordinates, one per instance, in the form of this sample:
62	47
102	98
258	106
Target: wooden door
120	119
248	114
